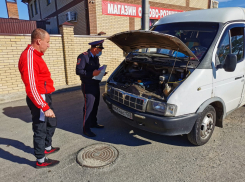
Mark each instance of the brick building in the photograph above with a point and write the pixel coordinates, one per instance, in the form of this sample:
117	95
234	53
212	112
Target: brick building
91	17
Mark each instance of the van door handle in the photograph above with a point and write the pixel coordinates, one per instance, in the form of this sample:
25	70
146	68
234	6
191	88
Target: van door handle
239	77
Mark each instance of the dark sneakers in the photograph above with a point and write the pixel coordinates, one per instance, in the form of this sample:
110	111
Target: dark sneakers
47	163
97	126
53	150
89	133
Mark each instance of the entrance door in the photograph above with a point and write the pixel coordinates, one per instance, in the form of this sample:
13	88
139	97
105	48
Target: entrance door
229	85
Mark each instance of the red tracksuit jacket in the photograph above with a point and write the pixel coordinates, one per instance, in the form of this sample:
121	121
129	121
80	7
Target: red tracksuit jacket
36	76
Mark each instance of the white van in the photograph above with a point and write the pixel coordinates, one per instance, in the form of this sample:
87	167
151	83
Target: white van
184	76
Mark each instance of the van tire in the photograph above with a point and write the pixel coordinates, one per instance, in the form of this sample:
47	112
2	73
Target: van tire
204	127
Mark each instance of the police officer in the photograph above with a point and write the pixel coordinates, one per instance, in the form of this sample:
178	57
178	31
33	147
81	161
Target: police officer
87	67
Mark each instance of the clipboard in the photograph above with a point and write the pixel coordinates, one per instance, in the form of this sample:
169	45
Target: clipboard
102	73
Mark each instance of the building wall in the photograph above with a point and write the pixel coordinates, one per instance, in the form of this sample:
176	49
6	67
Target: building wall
106	23
10	50
199	4
110	24
37	16
47	9
114	24
52	28
92	17
175	2
80	27
61	3
137	23
43	9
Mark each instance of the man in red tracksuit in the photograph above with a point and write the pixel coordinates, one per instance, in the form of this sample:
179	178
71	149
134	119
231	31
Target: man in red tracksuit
39	86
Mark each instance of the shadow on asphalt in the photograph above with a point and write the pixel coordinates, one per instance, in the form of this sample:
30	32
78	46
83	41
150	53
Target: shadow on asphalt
68	107
16	144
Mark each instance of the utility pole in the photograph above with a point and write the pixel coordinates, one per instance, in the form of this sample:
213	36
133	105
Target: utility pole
145	15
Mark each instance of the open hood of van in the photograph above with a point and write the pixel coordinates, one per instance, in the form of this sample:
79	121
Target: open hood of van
137	39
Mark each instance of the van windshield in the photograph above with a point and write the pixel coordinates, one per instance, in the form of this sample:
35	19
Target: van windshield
197	36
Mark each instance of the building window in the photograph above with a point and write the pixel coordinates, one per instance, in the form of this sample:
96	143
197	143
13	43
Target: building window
35	3
48	2
32	14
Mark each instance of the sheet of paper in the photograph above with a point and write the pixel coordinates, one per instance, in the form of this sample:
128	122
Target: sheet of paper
102	73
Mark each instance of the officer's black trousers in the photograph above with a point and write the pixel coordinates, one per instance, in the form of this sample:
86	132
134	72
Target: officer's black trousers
43	130
91	93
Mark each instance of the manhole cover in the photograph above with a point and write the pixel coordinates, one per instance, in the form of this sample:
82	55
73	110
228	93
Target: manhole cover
97	155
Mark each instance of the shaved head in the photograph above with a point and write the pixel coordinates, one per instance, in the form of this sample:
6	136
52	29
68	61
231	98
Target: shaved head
38	34
40	40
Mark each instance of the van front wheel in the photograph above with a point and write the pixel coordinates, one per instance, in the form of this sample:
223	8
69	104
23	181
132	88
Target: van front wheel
204	127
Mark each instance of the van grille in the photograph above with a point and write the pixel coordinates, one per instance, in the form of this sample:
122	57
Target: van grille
127	99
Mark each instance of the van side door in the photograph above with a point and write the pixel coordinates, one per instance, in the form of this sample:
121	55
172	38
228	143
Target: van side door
229	85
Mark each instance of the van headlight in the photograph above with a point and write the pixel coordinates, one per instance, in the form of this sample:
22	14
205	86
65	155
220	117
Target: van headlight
107	89
161	108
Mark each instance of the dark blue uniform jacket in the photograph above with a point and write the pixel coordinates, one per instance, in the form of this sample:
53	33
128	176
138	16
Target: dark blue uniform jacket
86	64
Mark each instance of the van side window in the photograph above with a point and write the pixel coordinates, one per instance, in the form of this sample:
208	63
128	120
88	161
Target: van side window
237	42
224	48
231	43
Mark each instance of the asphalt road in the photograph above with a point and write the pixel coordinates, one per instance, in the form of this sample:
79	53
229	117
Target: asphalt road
143	156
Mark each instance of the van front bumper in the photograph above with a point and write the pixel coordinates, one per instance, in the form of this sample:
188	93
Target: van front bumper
153	123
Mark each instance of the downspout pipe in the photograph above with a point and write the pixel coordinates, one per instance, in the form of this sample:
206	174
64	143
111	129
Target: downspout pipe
145	15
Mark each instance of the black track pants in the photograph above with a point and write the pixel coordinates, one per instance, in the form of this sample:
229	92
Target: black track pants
43	130
91	93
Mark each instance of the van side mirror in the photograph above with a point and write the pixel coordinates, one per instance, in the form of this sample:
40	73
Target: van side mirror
230	63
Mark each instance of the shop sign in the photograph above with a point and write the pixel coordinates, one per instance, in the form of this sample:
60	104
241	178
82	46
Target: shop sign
133	10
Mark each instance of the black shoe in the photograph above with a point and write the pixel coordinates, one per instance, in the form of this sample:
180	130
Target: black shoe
47	163
97	126
89	133
53	150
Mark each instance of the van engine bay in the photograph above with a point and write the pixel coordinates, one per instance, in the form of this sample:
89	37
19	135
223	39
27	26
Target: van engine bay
149	80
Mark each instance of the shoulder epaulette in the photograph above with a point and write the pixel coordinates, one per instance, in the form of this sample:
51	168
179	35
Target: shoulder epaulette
86	57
